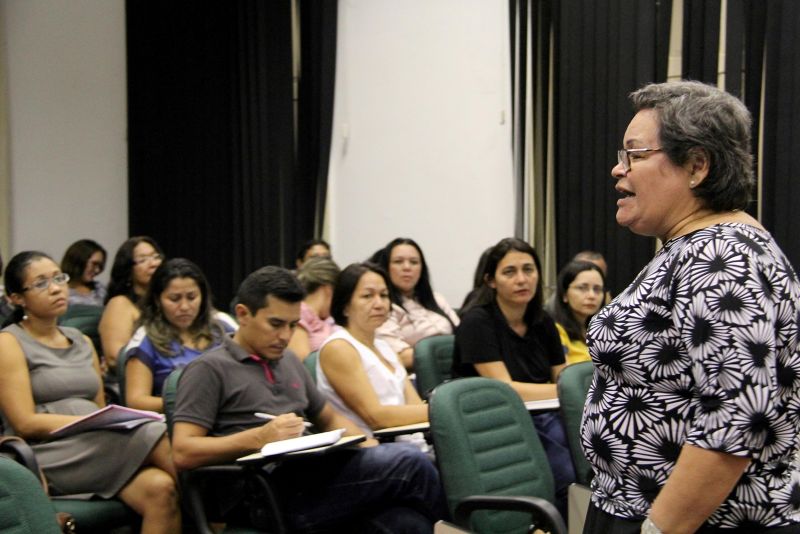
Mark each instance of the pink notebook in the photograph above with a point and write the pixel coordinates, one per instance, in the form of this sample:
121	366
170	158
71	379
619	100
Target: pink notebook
111	417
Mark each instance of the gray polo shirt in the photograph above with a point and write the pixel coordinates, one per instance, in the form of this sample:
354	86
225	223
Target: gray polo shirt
222	389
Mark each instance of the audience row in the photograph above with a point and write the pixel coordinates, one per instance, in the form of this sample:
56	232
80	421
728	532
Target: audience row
363	323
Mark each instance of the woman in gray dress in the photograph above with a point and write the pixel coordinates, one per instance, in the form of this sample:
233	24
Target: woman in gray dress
50	376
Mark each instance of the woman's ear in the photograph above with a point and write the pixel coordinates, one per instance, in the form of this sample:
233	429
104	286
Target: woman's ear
489	281
698	164
17	299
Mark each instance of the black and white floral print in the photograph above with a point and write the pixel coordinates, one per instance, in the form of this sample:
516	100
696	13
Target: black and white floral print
701	349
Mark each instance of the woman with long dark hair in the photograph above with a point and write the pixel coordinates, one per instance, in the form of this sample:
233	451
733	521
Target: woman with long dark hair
580	291
179	324
417	311
50	377
506	335
134	265
83	261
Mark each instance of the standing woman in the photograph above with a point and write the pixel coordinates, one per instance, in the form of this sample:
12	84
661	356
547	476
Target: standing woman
49	377
692	418
134	265
506	335
318	276
417	311
358	372
83	261
579	294
179	323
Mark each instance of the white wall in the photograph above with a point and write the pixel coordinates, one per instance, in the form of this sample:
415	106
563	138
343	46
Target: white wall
67	122
421	144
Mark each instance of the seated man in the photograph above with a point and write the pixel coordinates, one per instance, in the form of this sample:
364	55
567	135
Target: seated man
385	488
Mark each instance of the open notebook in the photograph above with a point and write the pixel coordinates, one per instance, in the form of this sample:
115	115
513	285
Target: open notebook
313	443
111	417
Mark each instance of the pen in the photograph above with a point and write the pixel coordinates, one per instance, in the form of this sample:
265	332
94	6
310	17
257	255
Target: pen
269	416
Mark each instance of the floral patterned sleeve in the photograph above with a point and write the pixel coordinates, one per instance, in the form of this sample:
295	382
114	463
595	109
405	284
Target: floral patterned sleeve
728	307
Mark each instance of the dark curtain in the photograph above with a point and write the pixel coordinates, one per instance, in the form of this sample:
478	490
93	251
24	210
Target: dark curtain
213	172
781	138
530	20
744	64
701	21
520	26
604	50
315	115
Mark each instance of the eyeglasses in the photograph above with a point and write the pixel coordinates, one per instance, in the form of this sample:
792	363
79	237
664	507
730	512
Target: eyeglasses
146	259
585	288
43	283
624	155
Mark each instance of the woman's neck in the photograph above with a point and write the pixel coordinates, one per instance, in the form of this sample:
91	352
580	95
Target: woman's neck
139	290
40	328
363	336
514	314
81	287
316	301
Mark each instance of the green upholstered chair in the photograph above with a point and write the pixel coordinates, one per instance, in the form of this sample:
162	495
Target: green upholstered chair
85	318
92	516
195	482
490	458
573	385
311	364
24	506
122	360
433	362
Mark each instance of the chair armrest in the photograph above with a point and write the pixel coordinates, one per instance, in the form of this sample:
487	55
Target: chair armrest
23	453
543	514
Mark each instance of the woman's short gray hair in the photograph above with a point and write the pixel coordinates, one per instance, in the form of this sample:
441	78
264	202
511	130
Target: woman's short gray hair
694	115
316	272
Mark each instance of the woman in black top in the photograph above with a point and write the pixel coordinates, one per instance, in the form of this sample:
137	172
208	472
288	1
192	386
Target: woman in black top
504	334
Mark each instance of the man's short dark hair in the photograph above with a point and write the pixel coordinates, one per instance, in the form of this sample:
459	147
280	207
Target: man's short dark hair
266	281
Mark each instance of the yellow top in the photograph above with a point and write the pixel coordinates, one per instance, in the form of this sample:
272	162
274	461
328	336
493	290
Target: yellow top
575	350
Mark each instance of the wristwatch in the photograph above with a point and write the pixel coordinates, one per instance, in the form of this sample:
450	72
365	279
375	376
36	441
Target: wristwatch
648	527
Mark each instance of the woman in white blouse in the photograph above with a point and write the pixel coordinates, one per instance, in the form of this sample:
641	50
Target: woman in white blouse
417	311
360	374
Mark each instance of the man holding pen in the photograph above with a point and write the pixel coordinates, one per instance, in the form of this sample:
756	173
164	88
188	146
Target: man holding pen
386	488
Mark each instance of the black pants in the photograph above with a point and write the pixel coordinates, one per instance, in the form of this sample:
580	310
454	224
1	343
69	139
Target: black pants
600	522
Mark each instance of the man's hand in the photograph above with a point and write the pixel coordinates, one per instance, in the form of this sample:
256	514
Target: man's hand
284	426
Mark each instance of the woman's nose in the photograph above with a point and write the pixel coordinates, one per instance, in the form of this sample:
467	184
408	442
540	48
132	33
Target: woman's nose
618	171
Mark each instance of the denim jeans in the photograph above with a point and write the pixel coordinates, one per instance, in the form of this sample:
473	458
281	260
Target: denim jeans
391	488
554	440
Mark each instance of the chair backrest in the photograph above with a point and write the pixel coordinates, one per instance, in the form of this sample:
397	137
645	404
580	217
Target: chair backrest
85	318
122	360
169	394
486	444
433	362
311	364
24	507
573	385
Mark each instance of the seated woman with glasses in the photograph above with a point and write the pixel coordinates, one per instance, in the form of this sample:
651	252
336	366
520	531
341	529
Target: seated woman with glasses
179	324
50	377
579	295
83	261
134	265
